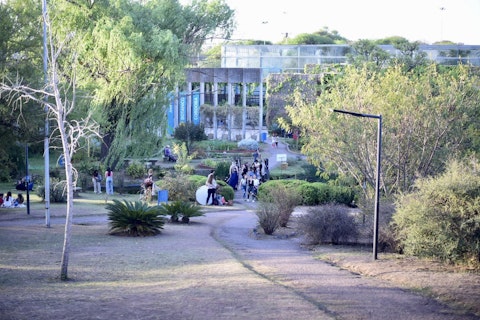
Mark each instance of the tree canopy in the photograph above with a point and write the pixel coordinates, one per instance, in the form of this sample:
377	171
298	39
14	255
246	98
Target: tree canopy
131	56
426	116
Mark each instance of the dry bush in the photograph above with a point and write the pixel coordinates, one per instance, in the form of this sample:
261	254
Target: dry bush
285	199
268	216
328	224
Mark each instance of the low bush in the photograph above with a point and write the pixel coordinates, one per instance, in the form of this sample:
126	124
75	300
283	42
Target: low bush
136	170
179	186
181	211
328	224
268	216
441	218
225	190
308	193
312	193
58	191
285	200
343	195
134	218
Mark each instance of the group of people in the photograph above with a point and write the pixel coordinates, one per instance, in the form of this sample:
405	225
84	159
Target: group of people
97	181
250	177
9	202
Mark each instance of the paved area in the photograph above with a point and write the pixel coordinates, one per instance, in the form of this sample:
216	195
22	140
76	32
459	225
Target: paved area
336	293
229	272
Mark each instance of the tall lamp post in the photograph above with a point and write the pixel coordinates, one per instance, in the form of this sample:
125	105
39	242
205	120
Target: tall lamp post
377	180
46	138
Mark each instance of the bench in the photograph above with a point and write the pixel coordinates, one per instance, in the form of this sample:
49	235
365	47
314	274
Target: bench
76	191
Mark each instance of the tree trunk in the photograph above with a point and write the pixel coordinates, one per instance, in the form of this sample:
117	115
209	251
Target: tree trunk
69	216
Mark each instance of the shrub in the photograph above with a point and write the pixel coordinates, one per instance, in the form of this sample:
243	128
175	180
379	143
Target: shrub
343	195
134	218
180	210
222	169
309	194
209	163
268	216
285	199
197	180
136	170
179	186
312	193
58	191
386	236
248	144
328	224
441	218
225	190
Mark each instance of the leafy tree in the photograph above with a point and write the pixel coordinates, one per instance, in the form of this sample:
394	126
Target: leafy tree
323	36
310	38
425	119
189	133
366	51
20	58
410	54
132	56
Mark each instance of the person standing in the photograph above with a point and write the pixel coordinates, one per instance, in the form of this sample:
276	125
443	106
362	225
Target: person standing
211	186
96	180
109	181
250	183
243	185
274	141
233	176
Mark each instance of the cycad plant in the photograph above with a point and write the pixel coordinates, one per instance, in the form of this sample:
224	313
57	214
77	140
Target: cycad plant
181	209
134	218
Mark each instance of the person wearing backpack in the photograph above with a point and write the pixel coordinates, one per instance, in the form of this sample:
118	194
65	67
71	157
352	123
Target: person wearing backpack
96	180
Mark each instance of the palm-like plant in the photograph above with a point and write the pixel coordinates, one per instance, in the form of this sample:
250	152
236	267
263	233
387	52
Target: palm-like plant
134	218
177	209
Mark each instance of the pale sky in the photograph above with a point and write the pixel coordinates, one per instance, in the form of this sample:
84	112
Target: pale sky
415	20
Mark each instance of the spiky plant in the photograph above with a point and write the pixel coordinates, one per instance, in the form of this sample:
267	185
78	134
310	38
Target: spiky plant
177	209
134	218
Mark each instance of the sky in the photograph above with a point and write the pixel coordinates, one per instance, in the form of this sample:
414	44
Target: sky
428	21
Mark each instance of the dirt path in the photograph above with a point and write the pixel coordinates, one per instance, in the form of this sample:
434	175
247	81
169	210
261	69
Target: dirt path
338	292
214	268
218	267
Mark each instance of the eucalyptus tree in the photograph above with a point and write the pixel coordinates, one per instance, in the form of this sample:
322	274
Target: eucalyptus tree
132	56
426	115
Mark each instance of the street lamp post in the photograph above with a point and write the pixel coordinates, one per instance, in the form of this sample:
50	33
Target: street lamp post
377	180
46	142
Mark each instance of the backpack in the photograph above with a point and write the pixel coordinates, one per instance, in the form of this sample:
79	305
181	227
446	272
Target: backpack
98	178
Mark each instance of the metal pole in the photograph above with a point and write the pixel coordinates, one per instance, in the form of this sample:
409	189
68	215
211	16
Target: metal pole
377	187
46	145
27	178
377	178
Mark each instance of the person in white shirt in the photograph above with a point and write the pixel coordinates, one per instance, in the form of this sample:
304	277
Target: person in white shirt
8	200
212	186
